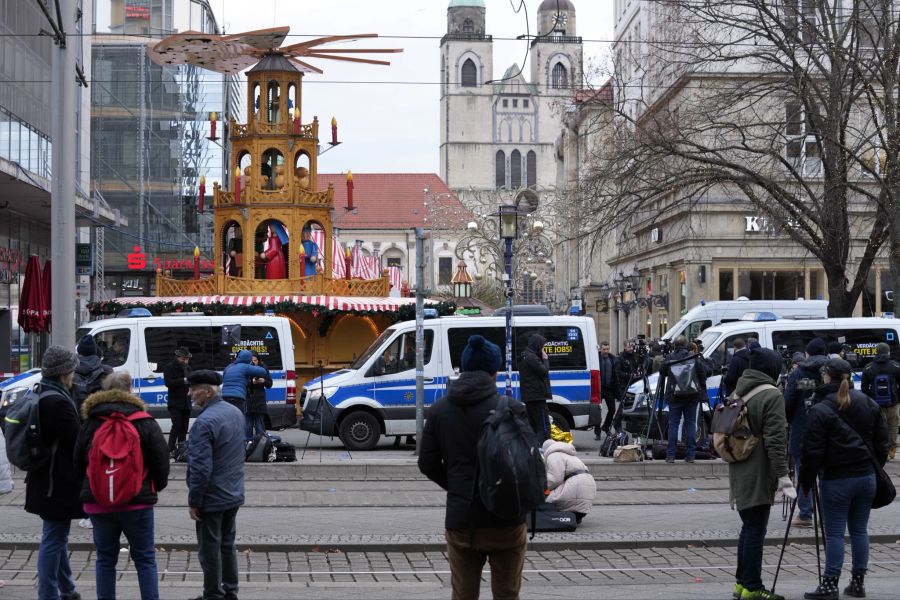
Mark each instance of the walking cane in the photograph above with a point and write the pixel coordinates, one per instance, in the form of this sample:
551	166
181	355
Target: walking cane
787	532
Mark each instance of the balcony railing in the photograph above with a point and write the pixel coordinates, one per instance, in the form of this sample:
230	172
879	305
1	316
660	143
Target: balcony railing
309	131
221	284
251	196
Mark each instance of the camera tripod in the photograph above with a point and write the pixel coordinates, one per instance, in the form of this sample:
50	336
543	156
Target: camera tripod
818	526
639	374
321	413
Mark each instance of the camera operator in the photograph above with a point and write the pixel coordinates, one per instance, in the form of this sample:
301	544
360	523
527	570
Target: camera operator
799	394
683	402
626	365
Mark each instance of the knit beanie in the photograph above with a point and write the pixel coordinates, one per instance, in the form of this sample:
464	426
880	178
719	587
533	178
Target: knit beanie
766	361
58	360
816	347
481	355
87	346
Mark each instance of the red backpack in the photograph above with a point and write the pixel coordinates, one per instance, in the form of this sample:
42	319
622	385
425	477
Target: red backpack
116	463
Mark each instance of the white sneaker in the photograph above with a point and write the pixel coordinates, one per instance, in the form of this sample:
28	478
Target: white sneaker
86	523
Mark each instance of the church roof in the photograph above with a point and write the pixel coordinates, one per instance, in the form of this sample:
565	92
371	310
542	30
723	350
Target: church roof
390	200
552	5
460	3
514	75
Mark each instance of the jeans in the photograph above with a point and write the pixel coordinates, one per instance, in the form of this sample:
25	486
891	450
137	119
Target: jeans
892	416
750	546
846	504
687	411
804	499
137	525
538	417
178	433
236	401
608	395
467	552
218	559
54	572
254	424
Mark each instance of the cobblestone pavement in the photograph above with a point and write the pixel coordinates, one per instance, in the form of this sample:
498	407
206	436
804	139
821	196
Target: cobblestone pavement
680	572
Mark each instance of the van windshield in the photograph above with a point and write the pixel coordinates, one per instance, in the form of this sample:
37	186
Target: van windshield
379	341
675	330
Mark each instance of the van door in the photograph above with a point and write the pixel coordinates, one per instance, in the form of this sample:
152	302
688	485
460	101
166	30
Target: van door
394	380
158	340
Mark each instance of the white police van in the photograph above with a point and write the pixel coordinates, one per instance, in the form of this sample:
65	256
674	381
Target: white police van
708	314
376	395
143	345
859	336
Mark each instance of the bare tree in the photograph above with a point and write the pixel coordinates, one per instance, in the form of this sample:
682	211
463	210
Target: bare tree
755	99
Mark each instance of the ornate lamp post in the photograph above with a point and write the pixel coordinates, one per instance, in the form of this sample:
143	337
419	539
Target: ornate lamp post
509	231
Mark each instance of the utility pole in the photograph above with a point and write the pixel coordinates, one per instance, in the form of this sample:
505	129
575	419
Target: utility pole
62	195
420	336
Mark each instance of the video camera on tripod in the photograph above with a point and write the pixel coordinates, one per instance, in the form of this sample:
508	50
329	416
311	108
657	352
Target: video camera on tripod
641	348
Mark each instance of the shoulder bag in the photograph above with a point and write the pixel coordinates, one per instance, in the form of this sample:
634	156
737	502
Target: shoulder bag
885	492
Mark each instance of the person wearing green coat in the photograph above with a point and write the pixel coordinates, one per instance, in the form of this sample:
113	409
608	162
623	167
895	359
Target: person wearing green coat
753	482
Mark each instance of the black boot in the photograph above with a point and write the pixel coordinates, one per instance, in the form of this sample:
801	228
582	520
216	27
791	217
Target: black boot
857	588
827	590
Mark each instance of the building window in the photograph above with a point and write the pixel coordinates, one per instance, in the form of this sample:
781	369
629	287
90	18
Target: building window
771	285
682	292
560	77
515	169
726	284
469	73
445	270
802	145
524	103
505	103
468	26
515	103
531	174
394	261
800	18
500	169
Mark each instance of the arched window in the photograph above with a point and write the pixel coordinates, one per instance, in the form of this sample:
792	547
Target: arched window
468	26
515	169
560	77
531	174
500	170
469	75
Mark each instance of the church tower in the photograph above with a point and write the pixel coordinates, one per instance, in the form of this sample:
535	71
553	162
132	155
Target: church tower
466	117
557	54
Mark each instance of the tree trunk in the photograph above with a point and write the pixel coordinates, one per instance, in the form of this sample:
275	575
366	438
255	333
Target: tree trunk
894	258
840	300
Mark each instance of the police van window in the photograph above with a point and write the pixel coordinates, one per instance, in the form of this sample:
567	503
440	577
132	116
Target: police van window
797	339
161	343
863	342
400	355
458	337
721	356
114	346
564	347
696	328
263	340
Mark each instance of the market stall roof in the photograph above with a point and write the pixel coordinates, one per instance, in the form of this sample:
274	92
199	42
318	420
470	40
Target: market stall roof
347	303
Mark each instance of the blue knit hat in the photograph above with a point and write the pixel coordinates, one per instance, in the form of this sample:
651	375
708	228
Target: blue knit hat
481	355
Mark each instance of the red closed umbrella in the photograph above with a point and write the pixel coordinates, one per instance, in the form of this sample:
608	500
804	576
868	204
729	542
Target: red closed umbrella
46	298
31	304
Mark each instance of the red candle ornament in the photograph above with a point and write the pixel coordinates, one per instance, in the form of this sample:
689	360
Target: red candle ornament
213	117
202	194
349	190
348	260
237	184
296	121
334	130
196	262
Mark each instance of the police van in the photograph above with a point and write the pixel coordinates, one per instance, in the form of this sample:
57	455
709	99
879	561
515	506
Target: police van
708	314
376	395
859	336
143	345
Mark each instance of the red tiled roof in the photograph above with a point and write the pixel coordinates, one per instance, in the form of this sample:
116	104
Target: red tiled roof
385	200
603	94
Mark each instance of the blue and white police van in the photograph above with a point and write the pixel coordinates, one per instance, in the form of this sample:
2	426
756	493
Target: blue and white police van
376	395
143	345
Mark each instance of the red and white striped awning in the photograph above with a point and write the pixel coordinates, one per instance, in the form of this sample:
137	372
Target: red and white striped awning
347	303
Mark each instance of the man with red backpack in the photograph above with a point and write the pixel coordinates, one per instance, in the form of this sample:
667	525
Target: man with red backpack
124	459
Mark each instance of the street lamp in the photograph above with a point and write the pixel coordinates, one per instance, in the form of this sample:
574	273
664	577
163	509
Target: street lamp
509	231
635	280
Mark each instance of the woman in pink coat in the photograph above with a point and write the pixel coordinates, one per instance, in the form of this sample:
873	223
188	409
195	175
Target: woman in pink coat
572	487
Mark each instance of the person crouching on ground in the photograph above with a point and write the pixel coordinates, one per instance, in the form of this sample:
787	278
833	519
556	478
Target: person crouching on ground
215	480
135	518
754	481
448	457
572	487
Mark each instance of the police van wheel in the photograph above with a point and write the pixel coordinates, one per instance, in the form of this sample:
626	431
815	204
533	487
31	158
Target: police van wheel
560	420
360	431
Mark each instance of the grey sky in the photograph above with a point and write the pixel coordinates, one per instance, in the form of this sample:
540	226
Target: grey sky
390	126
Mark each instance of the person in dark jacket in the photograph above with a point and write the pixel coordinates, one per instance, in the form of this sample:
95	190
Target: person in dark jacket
740	362
448	457
237	377
626	365
134	519
53	492
884	365
255	419
609	388
682	406
796	395
844	433
90	372
175	377
534	384
215	481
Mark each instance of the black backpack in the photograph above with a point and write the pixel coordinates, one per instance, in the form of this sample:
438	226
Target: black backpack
25	446
683	375
85	386
511	473
609	445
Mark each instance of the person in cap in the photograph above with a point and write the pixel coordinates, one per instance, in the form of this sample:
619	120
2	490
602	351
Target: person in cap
90	372
53	491
447	456
884	390
845	430
753	482
215	481
175	377
798	398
